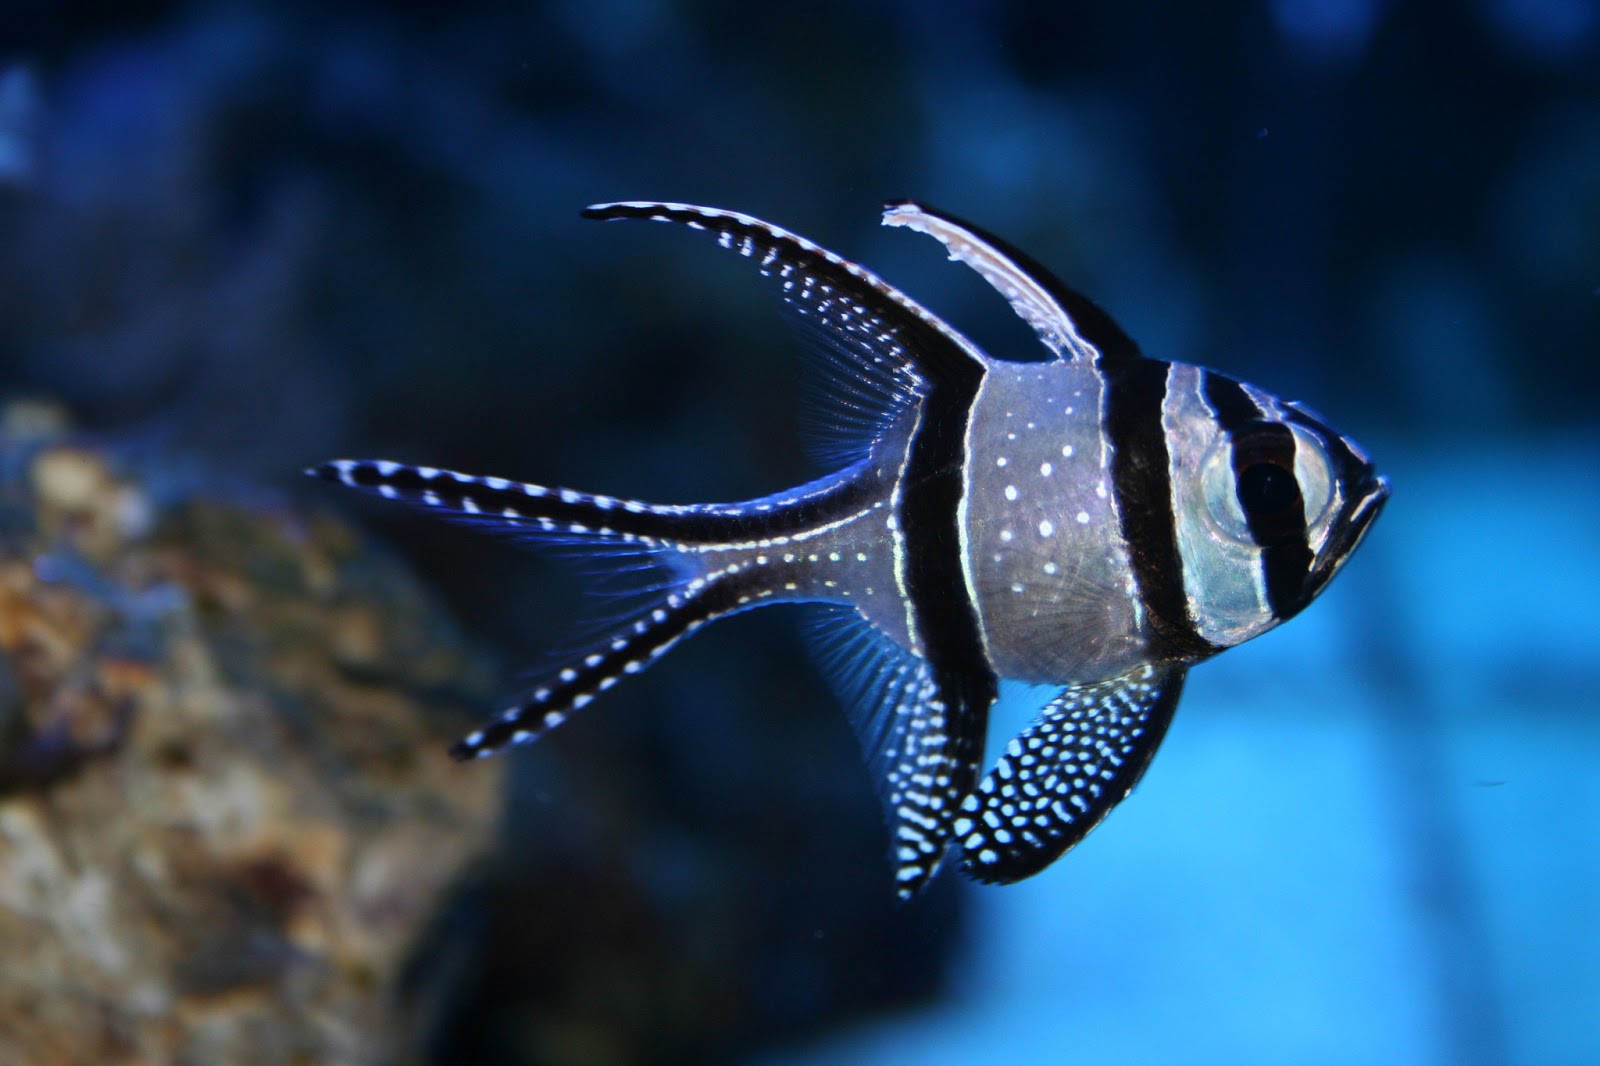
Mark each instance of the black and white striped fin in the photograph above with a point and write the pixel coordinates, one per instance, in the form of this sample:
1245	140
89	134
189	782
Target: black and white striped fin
560	515
1065	772
628	649
876	346
921	744
1070	324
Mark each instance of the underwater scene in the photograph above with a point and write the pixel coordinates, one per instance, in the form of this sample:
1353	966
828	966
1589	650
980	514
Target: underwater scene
1166	433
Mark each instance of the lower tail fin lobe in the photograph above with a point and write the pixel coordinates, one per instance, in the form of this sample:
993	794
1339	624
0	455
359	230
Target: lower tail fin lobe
669	538
629	650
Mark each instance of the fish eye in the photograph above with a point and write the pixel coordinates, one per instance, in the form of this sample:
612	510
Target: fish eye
1256	488
1268	492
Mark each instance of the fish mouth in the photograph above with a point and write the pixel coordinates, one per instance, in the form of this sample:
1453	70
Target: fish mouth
1365	505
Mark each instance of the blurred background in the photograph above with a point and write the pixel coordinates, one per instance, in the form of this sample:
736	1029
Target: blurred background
248	236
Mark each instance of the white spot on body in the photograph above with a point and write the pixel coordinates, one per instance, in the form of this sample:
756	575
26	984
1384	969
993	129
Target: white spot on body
1083	518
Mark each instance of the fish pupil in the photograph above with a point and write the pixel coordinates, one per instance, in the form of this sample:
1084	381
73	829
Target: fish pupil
1267	490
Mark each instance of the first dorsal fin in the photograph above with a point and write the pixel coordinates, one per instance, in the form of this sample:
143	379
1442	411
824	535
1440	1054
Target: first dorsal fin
1071	325
879	350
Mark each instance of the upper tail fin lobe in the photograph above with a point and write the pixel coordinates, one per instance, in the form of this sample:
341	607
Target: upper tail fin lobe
565	514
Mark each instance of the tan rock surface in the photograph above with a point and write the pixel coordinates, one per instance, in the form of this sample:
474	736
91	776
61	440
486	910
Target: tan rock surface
225	810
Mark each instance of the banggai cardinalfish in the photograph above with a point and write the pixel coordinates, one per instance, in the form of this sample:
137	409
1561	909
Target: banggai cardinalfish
1096	520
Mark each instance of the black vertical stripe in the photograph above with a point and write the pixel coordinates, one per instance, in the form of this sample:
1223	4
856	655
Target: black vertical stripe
1281	535
1142	485
945	615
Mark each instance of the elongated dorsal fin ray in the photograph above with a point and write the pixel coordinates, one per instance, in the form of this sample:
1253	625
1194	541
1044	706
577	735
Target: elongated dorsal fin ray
871	342
922	739
1063	774
1067	322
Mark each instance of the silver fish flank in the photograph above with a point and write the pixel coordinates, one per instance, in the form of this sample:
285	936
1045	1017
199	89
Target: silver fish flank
1097	521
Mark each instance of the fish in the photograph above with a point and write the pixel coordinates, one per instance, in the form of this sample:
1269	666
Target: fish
1087	518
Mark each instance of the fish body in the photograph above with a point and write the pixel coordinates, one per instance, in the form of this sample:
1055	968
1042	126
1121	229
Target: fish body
1097	521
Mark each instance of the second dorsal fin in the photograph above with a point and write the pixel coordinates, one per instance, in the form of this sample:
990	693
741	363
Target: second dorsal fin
877	349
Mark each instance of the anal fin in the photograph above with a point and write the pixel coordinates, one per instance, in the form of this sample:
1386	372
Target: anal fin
1062	775
921	736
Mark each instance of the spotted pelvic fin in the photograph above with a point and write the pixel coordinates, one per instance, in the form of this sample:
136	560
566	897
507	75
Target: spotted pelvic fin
1060	777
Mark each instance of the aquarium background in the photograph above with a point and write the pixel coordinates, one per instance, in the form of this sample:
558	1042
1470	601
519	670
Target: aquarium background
249	236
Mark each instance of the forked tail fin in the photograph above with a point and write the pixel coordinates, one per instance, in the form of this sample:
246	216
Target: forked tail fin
694	585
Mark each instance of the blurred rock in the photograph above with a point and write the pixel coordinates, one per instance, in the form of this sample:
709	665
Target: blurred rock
226	812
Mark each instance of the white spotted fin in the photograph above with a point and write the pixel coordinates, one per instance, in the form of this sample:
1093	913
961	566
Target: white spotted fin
1062	775
873	348
919	759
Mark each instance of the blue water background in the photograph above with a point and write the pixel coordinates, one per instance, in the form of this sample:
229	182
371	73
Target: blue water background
1365	839
268	234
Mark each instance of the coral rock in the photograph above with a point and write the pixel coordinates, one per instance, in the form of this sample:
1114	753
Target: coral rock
226	813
